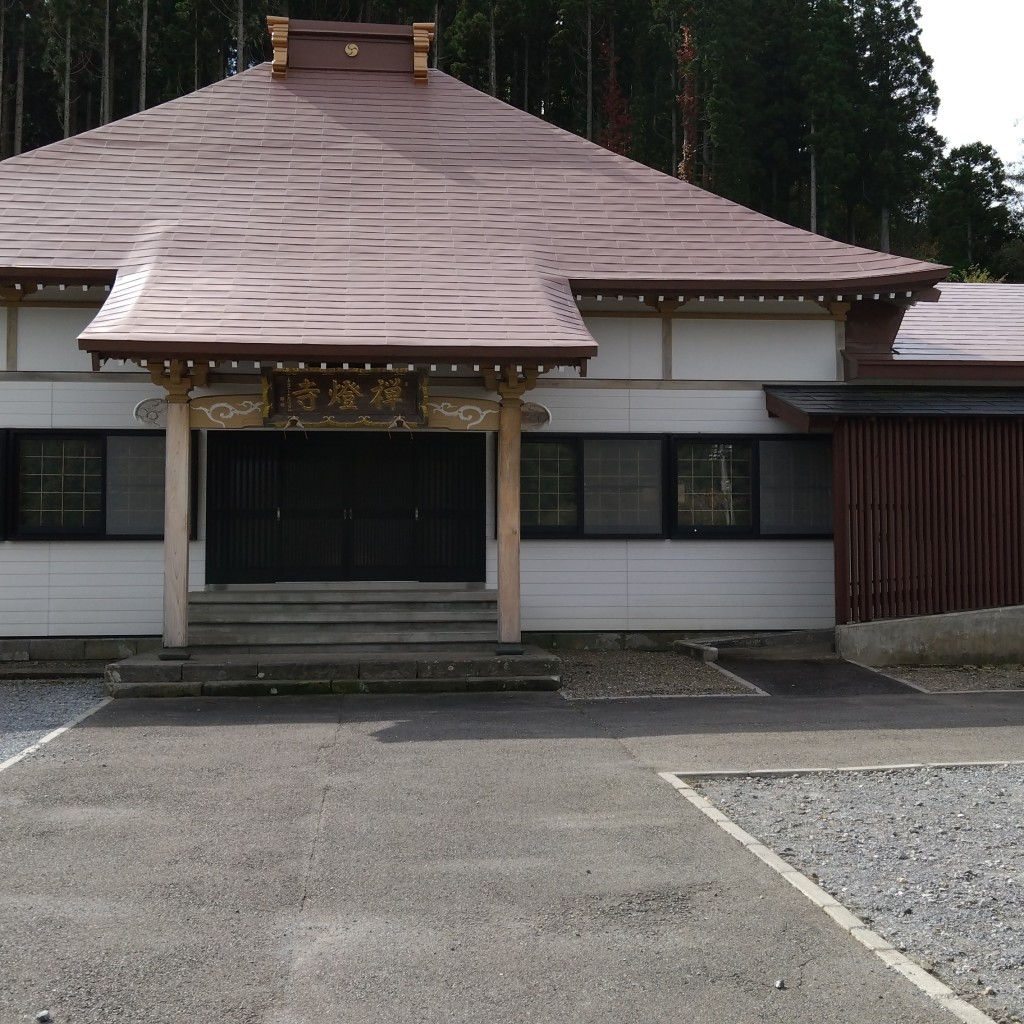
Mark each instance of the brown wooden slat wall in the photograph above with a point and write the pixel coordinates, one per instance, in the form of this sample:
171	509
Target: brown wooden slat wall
929	516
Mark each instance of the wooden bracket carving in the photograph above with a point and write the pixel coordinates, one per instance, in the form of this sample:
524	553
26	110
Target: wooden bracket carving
511	382
16	294
664	305
278	28
839	309
422	34
178	379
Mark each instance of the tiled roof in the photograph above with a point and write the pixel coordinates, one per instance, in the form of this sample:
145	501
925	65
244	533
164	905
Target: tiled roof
359	213
817	403
969	322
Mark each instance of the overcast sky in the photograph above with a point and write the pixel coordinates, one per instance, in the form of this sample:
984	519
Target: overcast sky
976	46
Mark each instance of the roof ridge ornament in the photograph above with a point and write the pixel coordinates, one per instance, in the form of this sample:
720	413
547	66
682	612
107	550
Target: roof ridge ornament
422	36
278	28
349	46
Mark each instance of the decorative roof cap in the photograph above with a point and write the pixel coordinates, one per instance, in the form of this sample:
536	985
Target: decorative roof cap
349	46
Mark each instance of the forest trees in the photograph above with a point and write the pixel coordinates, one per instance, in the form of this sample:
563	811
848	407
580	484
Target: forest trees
816	112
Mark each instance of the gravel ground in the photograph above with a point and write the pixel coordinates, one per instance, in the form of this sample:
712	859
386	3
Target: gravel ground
29	709
932	859
640	673
588	674
938	678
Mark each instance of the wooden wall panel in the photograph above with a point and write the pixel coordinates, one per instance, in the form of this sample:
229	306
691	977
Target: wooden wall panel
928	516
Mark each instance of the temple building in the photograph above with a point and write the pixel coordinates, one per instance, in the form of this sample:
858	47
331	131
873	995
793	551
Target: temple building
342	320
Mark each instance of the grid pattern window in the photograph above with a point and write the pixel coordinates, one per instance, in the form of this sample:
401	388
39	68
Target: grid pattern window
549	488
796	487
622	487
86	484
60	484
715	485
135	485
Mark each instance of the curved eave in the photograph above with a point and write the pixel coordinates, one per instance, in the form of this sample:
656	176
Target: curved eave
13	276
214	352
890	286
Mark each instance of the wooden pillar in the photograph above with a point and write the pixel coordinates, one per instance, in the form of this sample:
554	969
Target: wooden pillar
178	382
510	386
509	447
11	297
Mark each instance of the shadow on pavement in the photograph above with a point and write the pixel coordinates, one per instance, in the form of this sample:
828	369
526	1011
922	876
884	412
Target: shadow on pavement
437	718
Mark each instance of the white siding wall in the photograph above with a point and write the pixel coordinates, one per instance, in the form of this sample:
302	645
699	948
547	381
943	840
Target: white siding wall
68	404
677	584
657	410
81	588
85	588
56	588
680	584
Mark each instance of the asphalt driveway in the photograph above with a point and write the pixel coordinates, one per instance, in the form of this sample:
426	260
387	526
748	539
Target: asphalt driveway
400	859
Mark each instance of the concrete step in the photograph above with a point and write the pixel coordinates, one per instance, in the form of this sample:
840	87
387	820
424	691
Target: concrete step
270	634
299	687
379	615
370	598
347	586
338	614
274	673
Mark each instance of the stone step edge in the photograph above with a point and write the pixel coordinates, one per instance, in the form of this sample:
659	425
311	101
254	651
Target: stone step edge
288	616
403	597
365	669
313	687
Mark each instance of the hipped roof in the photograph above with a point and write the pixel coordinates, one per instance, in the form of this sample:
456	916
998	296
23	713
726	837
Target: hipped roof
971	322
360	214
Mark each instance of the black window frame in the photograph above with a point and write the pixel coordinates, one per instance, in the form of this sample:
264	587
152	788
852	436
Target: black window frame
671	529
684	531
11	530
821	439
579	531
576	442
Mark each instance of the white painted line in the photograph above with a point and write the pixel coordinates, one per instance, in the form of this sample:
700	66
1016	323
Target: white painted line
670	696
845	919
53	735
738	679
886	675
782	773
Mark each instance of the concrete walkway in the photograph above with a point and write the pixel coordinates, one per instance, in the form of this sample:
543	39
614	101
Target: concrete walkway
508	858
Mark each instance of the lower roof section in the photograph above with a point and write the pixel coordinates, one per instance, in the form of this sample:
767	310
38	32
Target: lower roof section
173	309
819	406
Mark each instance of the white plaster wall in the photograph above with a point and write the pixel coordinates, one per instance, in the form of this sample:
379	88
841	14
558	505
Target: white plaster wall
48	338
629	348
677	585
762	350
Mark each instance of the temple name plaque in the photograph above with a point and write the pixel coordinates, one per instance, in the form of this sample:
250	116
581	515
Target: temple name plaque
344	398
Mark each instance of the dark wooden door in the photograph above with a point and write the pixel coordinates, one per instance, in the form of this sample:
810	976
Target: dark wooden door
345	506
243	534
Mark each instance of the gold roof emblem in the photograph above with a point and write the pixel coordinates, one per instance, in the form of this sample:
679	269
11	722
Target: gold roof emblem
352	49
